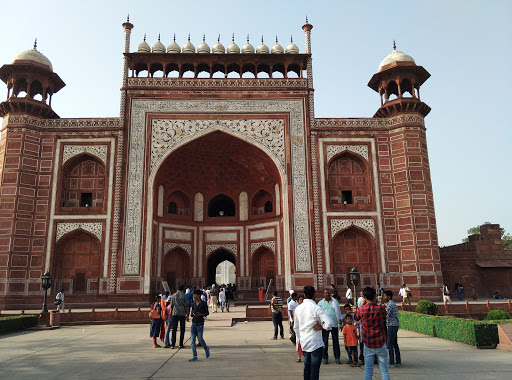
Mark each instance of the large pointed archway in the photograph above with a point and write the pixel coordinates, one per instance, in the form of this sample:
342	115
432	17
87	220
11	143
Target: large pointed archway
207	185
214	260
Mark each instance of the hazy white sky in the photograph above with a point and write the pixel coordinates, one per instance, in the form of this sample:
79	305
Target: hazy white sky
465	45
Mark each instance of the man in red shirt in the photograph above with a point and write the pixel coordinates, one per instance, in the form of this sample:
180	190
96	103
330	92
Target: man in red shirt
373	332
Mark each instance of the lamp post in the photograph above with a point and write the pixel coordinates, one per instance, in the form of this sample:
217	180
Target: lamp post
354	279
46	283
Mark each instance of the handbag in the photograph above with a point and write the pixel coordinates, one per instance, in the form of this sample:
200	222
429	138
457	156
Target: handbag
57	302
293	338
409	294
154	314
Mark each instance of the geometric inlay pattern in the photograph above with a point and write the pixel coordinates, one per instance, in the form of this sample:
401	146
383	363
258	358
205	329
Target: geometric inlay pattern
269	244
170	246
333	150
64	228
168	133
338	225
233	248
137	156
99	151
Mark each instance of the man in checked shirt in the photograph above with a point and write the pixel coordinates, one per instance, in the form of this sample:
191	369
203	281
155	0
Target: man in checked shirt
373	331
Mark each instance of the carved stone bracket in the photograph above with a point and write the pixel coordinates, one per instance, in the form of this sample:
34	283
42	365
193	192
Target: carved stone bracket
170	246
64	228
233	248
333	150
338	225
71	151
269	244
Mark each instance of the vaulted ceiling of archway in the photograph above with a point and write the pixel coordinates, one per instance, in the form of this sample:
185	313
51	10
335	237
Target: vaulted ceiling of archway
217	163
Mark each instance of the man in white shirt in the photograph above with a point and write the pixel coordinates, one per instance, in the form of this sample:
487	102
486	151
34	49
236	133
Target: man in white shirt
222	299
291	309
332	309
349	295
310	320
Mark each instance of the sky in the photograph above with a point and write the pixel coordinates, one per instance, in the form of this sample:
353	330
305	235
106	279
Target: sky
466	46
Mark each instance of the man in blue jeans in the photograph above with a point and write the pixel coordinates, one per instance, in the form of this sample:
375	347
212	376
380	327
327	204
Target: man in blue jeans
373	329
309	321
392	325
199	311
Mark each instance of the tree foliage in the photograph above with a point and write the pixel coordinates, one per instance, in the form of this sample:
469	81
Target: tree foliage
506	239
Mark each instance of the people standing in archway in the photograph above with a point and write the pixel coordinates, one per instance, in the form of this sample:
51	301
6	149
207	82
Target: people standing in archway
276	306
199	312
156	321
332	309
222	299
214	296
260	294
349	296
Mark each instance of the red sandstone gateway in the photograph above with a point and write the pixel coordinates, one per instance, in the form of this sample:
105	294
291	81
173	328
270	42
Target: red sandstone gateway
207	176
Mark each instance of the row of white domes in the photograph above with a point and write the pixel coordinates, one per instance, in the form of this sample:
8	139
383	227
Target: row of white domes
218	48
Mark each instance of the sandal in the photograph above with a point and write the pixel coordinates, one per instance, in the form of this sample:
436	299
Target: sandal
298	360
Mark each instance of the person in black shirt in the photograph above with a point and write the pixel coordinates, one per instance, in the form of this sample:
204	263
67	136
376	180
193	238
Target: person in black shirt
199	311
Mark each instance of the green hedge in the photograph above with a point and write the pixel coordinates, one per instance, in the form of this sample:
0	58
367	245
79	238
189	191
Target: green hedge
467	331
16	323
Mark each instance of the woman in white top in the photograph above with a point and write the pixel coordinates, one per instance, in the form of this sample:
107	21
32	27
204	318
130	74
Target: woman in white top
405	294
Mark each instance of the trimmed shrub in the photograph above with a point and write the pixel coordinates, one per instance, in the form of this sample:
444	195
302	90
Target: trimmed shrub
16	323
426	307
495	315
462	330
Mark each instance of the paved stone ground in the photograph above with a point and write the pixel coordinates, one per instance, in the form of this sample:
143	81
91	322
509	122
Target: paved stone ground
243	351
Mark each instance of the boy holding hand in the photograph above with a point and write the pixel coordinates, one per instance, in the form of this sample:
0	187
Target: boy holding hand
351	336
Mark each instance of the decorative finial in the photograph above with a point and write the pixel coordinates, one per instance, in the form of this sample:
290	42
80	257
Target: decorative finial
128	18
174	37
158	37
276	39
233	38
203	37
35	44
189	37
394	45
307	19
262	38
144	37
247	38
291	39
218	39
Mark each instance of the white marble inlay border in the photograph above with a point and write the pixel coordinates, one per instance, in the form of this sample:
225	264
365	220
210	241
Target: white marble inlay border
140	108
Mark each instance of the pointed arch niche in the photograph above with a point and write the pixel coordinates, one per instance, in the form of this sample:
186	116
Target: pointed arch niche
78	261
83	183
349	178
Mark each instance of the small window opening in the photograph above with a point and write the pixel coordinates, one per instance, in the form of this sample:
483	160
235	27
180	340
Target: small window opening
346	197
172	209
86	200
268	206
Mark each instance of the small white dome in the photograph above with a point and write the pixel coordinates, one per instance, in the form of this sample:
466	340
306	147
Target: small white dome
277	49
158	47
396	56
188	47
35	56
233	48
248	48
174	47
144	47
203	47
218	48
292	48
262	48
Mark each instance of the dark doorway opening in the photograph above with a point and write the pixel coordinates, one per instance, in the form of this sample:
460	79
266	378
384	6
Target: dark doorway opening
346	197
220	206
215	259
86	200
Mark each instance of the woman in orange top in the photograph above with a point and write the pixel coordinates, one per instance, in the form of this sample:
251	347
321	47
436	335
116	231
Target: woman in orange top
260	293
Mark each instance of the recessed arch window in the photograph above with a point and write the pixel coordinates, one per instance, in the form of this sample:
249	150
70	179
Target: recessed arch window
221	206
178	203
172	208
262	203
